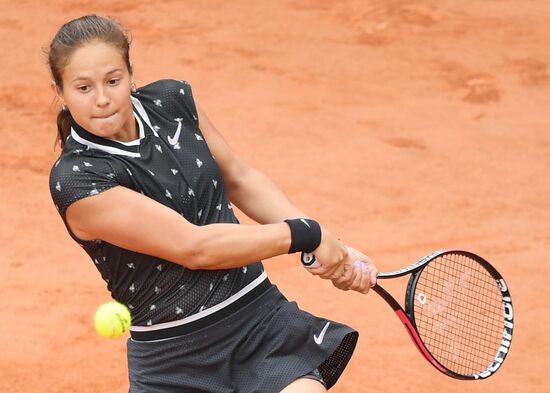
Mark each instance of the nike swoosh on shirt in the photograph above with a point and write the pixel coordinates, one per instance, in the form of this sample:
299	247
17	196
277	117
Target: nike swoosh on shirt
173	140
319	339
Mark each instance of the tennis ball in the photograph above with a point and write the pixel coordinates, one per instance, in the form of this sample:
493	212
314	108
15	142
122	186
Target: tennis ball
112	319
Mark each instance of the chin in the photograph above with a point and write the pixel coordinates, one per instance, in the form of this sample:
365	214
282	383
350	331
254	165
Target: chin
107	129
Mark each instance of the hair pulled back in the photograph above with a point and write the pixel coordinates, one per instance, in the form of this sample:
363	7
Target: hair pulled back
70	37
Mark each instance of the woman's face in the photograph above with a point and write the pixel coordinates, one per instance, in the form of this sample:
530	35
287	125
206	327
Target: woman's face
96	89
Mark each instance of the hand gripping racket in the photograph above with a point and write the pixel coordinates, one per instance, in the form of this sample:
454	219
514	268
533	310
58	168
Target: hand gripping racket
458	312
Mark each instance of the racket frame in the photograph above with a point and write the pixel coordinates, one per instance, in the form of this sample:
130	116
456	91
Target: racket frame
406	316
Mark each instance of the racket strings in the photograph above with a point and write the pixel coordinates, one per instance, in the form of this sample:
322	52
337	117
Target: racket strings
459	313
455	323
462	324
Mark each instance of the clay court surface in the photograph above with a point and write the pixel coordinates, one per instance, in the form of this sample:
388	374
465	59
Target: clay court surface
403	126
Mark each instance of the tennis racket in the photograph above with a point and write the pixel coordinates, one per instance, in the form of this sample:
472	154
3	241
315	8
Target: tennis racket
458	312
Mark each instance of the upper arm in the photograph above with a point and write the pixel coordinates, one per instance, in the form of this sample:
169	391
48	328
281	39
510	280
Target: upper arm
232	166
133	221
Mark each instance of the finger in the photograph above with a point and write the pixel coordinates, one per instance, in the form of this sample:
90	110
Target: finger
341	286
333	271
348	277
366	283
363	282
325	272
358	264
356	285
373	274
338	271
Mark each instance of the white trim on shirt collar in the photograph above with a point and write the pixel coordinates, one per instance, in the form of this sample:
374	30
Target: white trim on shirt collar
141	110
111	149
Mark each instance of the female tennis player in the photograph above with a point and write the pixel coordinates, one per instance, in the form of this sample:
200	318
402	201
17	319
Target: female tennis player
145	184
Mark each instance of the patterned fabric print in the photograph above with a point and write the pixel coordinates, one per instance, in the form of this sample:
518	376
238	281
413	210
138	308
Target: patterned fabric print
172	164
262	347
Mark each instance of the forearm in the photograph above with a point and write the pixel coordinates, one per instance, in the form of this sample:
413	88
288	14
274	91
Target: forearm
261	199
132	221
224	246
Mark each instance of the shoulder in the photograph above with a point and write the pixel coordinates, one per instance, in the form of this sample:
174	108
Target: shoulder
76	161
172	97
75	153
164	88
79	173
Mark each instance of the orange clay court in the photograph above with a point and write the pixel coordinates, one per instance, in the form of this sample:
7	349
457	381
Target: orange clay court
402	126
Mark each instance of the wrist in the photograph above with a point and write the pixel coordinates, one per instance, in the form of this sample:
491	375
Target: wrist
305	235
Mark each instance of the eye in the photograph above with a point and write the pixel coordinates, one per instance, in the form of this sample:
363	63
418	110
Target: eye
113	82
84	88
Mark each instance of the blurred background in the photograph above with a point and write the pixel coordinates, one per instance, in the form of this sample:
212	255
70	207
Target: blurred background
402	126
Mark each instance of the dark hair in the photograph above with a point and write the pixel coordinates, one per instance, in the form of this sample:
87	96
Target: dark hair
73	35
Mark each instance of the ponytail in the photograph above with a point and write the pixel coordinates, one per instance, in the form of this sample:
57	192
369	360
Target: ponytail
63	126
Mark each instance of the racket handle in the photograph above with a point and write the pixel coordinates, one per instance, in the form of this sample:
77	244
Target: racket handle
308	260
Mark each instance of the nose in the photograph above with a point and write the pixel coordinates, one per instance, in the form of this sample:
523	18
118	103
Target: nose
102	99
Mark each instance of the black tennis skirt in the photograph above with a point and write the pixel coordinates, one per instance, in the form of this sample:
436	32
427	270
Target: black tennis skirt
262	347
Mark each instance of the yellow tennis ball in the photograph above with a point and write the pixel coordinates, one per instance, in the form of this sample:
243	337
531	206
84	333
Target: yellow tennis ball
112	319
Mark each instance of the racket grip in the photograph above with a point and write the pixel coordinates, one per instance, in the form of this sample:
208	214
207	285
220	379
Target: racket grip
308	260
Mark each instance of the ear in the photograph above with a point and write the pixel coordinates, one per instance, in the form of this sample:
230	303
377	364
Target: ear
133	83
132	78
56	90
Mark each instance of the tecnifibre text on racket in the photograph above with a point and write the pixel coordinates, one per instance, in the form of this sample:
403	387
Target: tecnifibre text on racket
458	311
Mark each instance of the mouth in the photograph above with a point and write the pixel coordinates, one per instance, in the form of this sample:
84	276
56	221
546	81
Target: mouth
101	117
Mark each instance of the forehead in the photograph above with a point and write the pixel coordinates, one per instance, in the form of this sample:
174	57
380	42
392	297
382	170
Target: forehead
92	59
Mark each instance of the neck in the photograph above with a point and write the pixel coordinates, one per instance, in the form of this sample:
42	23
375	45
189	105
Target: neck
129	133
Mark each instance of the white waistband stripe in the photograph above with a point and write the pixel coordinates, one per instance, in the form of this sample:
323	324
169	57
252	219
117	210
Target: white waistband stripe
206	312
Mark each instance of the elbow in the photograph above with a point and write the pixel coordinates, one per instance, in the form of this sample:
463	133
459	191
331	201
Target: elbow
196	261
194	256
232	187
197	247
235	180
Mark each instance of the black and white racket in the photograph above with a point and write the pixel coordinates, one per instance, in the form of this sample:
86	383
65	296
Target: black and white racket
458	312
